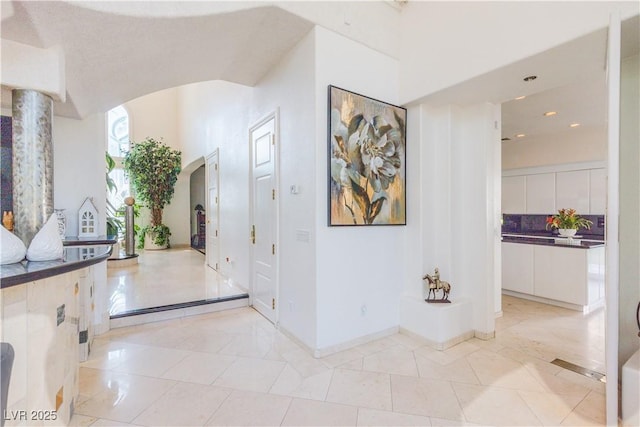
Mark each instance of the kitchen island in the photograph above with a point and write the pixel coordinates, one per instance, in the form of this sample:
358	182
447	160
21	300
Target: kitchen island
564	272
42	319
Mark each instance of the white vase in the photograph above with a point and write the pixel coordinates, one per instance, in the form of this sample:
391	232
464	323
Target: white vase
567	232
149	244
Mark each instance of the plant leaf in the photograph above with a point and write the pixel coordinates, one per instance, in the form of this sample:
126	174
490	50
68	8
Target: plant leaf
361	197
376	207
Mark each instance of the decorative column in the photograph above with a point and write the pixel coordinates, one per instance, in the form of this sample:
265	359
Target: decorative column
32	162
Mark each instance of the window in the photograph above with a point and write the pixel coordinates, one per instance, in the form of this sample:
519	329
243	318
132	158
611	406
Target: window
118	144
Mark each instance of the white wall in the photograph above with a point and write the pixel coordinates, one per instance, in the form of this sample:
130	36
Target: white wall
450	42
216	115
356	266
289	88
78	172
156	116
629	207
576	145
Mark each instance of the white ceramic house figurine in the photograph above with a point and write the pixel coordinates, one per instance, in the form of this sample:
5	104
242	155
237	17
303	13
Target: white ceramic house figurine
88	219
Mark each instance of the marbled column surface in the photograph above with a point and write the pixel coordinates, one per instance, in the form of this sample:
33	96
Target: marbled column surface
32	162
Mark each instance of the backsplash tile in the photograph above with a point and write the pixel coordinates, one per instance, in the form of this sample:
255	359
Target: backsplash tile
535	224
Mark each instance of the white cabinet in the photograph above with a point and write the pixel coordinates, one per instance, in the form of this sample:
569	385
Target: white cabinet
540	193
561	274
513	195
557	274
517	267
572	190
597	191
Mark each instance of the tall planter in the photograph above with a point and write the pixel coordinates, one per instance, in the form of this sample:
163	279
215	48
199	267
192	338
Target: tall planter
153	169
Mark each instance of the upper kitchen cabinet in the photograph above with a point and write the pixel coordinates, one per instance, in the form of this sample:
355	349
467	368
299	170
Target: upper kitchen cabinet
513	195
572	190
540	193
597	191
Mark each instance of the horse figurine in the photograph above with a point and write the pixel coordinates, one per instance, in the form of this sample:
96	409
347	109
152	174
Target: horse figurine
435	284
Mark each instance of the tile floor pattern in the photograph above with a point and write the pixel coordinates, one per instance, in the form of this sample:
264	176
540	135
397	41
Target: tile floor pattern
234	368
165	277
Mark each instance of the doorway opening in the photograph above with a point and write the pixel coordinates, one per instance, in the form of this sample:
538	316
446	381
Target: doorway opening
197	203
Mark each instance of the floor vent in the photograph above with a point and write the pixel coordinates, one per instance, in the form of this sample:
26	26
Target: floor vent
580	370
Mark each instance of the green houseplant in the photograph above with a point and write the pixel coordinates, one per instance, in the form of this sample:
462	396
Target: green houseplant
153	169
114	224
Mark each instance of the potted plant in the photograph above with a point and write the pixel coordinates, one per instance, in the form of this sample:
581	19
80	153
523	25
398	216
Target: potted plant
153	169
568	222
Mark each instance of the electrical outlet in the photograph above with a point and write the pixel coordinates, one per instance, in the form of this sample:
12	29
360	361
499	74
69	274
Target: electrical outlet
291	306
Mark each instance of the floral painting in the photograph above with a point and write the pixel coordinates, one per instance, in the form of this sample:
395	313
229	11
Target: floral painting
366	160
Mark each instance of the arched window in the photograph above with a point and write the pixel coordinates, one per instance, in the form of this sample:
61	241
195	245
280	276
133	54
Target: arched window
118	144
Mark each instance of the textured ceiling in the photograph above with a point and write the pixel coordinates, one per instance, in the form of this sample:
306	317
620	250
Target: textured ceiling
111	59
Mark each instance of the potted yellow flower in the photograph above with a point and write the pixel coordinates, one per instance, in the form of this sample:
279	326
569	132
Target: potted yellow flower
568	222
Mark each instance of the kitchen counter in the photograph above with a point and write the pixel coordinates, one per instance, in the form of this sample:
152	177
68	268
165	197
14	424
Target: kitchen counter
580	242
74	258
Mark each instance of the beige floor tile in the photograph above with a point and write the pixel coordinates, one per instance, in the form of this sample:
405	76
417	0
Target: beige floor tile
125	397
360	388
592	407
373	417
250	374
304	363
245	408
248	345
291	383
111	354
314	413
341	358
152	362
201	368
449	355
81	420
581	380
394	360
110	423
427	397
550	409
184	405
443	422
577	420
499	371
458	371
209	341
494	406
376	346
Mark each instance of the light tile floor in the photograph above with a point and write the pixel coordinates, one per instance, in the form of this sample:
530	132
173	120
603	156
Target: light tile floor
165	277
234	368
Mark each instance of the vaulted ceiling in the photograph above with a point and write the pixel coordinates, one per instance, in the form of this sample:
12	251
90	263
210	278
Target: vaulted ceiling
114	57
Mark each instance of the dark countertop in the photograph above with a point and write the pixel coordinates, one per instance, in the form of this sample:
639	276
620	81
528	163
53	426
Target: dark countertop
549	240
74	258
83	241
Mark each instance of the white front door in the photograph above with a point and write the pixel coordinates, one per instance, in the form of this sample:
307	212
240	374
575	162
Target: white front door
264	217
213	232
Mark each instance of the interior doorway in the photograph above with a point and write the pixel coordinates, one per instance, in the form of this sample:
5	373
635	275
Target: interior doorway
197	203
264	212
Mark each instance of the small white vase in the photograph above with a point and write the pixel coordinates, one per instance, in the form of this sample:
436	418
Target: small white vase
567	232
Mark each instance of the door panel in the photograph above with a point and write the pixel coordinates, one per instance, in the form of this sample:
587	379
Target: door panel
213	231
264	219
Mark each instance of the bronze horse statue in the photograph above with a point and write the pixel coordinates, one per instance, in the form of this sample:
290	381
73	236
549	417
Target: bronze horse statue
435	284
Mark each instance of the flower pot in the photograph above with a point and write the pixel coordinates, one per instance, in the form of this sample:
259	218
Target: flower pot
567	232
149	244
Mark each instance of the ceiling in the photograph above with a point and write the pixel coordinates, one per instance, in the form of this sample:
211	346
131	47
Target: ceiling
113	58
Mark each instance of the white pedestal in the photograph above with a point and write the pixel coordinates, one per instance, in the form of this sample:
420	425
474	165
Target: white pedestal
631	391
443	325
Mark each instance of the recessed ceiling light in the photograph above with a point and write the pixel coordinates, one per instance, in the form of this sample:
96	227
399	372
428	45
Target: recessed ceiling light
574	125
550	113
520	97
520	135
530	78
